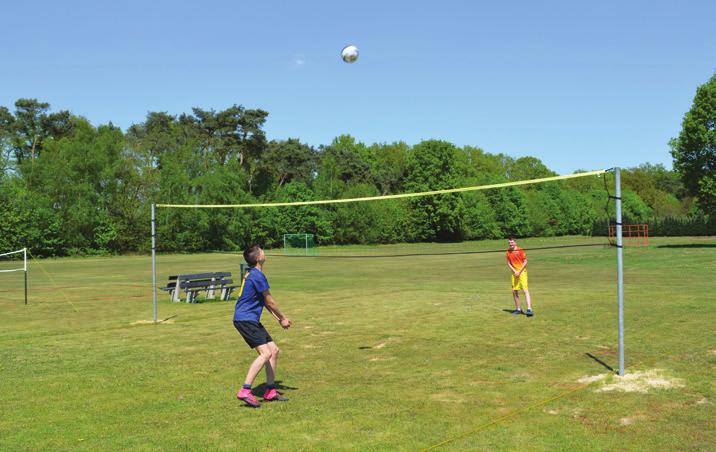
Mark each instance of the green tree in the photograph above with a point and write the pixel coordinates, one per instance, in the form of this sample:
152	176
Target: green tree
480	220
289	160
694	150
33	125
6	136
350	160
431	166
85	176
273	222
388	166
486	167
525	168
657	187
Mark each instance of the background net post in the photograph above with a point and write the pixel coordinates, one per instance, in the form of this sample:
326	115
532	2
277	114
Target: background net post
24	258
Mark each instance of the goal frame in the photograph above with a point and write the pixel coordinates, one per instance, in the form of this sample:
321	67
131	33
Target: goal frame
23	269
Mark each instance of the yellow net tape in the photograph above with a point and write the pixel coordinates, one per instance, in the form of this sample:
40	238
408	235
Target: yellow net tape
375	198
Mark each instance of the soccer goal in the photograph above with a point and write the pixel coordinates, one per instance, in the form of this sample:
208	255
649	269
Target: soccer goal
632	234
15	261
299	245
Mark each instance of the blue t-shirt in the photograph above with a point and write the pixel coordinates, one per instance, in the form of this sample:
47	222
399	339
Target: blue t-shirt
250	303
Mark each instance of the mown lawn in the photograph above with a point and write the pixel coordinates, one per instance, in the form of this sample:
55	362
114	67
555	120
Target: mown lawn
385	353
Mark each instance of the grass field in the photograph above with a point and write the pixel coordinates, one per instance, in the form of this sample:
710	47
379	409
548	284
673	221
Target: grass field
385	353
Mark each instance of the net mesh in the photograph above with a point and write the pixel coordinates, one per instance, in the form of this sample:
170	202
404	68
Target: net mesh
356	220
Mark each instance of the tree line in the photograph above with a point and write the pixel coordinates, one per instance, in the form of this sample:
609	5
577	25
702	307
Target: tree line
68	187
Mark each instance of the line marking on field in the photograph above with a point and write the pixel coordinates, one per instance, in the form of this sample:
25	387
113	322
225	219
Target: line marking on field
52	280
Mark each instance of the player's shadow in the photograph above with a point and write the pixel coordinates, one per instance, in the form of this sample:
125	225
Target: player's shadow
260	389
605	365
509	311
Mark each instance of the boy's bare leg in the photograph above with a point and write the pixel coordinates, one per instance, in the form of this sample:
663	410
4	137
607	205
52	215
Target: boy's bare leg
271	364
264	352
529	300
516	296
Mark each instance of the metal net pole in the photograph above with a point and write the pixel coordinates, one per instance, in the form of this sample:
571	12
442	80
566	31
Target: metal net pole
620	268
154	262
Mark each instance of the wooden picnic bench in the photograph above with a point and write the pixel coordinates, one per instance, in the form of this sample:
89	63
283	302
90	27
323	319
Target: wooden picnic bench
195	283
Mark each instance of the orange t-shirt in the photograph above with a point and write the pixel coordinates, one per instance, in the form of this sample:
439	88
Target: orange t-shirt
516	258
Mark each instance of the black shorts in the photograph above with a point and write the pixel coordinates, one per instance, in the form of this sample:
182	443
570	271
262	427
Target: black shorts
253	332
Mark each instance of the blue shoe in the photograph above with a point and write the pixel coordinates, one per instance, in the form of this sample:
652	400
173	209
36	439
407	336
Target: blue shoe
517	312
530	313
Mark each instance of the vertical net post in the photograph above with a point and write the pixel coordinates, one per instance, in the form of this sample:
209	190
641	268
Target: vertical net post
154	262
24	260
620	267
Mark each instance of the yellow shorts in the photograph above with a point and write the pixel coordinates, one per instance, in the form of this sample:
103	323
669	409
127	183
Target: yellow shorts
521	283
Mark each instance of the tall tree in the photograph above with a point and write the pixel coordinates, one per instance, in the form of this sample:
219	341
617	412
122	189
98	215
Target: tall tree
431	167
289	160
529	168
6	134
694	150
351	159
234	133
388	166
33	125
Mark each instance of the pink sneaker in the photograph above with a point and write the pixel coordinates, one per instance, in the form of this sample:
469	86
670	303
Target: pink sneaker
273	395
248	398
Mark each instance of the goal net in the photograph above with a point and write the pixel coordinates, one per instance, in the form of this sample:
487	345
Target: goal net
299	245
13	262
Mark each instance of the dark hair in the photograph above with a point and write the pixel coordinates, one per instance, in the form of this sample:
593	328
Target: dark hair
512	237
251	255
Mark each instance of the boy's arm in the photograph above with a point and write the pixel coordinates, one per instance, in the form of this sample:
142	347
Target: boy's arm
524	266
512	269
275	311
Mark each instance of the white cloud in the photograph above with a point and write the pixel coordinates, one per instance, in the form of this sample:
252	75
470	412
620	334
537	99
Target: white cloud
299	60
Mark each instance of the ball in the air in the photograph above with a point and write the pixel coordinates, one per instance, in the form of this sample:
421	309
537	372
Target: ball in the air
349	54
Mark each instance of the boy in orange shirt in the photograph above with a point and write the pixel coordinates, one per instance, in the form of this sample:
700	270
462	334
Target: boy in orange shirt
517	261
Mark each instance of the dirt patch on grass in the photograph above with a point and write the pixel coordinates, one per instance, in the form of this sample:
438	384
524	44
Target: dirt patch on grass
591	379
631	419
150	322
448	397
377	358
639	381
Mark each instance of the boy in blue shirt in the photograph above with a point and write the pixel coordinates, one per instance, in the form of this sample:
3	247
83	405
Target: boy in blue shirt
253	296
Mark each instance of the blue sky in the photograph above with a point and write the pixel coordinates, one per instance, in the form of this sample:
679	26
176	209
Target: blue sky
579	85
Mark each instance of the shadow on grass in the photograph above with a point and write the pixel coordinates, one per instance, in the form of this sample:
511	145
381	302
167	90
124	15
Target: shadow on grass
210	301
260	389
509	311
605	365
690	245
